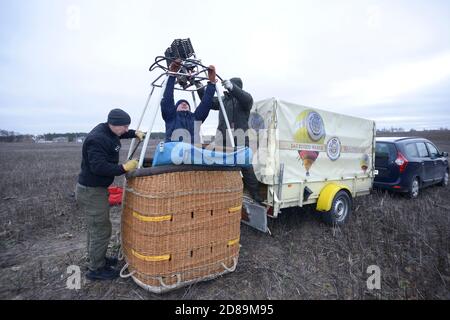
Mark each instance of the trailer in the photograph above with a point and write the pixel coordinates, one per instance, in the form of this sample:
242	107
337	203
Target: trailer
306	156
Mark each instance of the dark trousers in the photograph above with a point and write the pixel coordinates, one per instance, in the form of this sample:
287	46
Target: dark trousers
250	181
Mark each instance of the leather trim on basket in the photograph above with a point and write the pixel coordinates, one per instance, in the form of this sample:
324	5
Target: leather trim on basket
143	172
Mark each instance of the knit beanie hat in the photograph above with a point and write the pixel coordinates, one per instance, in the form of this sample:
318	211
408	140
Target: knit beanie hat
118	117
180	101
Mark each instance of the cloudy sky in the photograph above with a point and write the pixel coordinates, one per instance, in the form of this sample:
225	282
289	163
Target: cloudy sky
65	64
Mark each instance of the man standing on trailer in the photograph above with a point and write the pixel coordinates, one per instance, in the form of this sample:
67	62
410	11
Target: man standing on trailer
238	104
178	115
99	166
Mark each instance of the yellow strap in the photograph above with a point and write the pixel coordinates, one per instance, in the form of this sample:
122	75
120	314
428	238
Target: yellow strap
151	219
233	242
234	209
150	258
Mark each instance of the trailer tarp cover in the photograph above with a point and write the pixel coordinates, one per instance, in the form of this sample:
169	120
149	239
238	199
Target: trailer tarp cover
313	144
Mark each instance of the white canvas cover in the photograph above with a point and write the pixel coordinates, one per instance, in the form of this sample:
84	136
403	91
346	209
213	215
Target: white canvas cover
313	145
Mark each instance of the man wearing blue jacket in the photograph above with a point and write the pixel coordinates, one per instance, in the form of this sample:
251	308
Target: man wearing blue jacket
99	166
179	115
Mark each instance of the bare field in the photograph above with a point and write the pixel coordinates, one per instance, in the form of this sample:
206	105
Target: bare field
42	233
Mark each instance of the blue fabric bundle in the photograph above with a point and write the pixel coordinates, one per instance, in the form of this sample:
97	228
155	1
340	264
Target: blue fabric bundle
170	153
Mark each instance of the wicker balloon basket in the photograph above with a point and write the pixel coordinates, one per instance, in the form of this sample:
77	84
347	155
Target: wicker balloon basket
180	224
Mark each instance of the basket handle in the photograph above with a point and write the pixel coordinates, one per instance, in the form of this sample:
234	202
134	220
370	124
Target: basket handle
172	286
126	275
232	268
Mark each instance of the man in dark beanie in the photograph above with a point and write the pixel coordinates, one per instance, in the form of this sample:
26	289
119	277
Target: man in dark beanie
118	117
179	115
99	166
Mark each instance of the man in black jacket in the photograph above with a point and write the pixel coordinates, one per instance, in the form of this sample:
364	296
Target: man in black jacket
237	104
99	166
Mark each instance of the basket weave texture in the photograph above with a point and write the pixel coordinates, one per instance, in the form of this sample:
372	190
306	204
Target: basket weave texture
181	227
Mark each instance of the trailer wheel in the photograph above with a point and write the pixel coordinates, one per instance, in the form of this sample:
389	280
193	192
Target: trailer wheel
341	208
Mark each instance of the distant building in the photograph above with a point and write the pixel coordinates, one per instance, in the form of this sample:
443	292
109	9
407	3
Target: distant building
43	141
61	139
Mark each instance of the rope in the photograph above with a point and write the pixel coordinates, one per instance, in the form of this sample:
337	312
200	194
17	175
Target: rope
126	275
232	268
165	288
172	286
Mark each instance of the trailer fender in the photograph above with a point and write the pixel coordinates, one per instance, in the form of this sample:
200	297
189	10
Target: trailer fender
327	195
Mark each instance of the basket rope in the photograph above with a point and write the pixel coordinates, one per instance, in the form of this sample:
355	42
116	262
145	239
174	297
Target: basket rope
123	270
191	270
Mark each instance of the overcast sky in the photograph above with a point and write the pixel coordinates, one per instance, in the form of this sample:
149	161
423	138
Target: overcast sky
65	64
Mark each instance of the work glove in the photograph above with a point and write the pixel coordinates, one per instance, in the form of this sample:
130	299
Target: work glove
175	65
130	165
227	85
140	135
212	74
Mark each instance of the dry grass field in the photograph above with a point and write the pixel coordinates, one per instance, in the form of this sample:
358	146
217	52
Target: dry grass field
42	233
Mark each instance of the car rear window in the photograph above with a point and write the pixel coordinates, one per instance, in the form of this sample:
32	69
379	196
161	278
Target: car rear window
423	152
385	150
411	150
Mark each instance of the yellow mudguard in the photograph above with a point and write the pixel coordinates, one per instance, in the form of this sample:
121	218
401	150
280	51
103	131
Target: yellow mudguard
327	195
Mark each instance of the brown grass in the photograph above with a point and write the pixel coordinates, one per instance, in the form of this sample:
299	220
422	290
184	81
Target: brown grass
41	233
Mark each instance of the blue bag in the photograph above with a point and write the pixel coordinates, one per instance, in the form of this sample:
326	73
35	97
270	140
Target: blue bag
176	153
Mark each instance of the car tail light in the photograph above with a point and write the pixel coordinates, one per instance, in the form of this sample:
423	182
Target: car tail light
401	161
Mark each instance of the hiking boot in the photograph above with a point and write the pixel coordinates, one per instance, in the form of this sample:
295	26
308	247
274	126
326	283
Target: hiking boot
105	273
111	262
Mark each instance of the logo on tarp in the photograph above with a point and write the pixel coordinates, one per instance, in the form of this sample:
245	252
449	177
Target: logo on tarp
256	121
309	135
333	148
309	127
364	162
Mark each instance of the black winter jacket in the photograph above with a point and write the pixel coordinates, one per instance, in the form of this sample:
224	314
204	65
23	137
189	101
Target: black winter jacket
237	103
100	156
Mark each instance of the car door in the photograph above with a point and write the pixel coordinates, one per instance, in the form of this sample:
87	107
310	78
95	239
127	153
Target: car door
415	167
438	161
385	154
427	163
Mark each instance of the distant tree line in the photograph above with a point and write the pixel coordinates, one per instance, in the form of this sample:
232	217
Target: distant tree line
71	136
11	136
395	129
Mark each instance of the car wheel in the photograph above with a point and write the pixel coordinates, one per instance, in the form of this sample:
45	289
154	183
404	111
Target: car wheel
444	181
414	188
340	209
